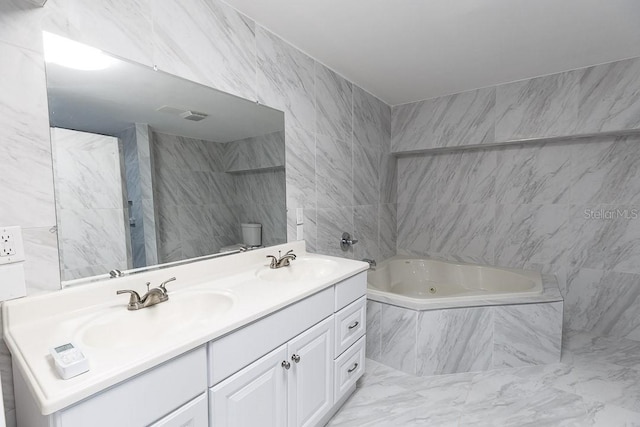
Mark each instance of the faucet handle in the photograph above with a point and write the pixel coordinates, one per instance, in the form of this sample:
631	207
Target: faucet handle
134	300
163	284
274	261
290	252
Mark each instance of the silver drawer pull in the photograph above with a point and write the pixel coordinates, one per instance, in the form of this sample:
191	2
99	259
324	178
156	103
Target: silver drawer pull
355	366
354	325
286	365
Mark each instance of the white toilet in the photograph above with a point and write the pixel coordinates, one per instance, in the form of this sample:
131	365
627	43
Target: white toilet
251	237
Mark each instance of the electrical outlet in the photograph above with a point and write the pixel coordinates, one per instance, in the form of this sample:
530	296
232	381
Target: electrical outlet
7	243
11	247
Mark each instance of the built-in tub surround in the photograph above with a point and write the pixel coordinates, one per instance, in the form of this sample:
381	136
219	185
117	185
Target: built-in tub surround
489	325
207	300
560	205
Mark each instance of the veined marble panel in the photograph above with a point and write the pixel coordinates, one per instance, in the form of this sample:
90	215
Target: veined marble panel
528	334
387	235
122	27
531	233
41	267
541	107
418	179
454	340
332	222
466	176
514	402
610	97
606	171
311	229
24	130
184	30
534	173
371	121
87	170
333	172
398	338
465	230
465	118
417	227
365	229
300	168
366	167
258	152
388	178
605	237
604	302
285	79
333	104
20	24
93	237
374	341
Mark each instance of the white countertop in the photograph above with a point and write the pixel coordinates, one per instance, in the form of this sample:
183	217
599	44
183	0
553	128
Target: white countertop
33	325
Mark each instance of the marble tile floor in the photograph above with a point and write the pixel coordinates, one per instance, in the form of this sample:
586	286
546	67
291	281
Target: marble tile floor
597	383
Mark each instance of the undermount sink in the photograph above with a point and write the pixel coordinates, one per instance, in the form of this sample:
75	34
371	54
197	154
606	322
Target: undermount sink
119	327
300	269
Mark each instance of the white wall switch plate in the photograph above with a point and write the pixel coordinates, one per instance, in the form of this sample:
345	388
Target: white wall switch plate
11	246
299	216
13	283
299	232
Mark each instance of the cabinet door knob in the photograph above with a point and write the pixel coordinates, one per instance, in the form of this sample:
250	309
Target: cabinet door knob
295	358
285	364
354	325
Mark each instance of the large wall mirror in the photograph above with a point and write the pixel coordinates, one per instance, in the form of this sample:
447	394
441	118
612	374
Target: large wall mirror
150	168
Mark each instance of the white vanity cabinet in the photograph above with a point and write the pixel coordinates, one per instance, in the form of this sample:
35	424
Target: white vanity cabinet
161	395
292	385
291	368
295	384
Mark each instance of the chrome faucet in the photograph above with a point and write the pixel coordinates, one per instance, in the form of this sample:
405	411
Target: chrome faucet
281	261
152	297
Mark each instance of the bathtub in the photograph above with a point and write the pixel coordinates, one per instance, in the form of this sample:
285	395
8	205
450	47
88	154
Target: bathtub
421	284
428	317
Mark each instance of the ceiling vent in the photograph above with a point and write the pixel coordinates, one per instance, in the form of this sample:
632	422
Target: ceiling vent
194	116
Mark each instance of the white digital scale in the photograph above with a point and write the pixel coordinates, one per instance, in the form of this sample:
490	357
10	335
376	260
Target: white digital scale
69	360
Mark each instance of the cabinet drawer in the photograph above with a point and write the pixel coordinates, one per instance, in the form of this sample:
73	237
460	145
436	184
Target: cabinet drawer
350	290
348	368
193	414
350	324
143	399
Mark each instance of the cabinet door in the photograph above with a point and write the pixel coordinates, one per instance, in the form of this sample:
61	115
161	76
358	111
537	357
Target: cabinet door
255	396
311	377
192	414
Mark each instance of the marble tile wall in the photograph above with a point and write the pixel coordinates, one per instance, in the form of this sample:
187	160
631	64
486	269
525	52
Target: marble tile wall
195	199
209	42
438	342
568	207
258	152
601	98
92	223
134	196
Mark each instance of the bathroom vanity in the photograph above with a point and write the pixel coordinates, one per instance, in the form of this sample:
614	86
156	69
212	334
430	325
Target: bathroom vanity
236	344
